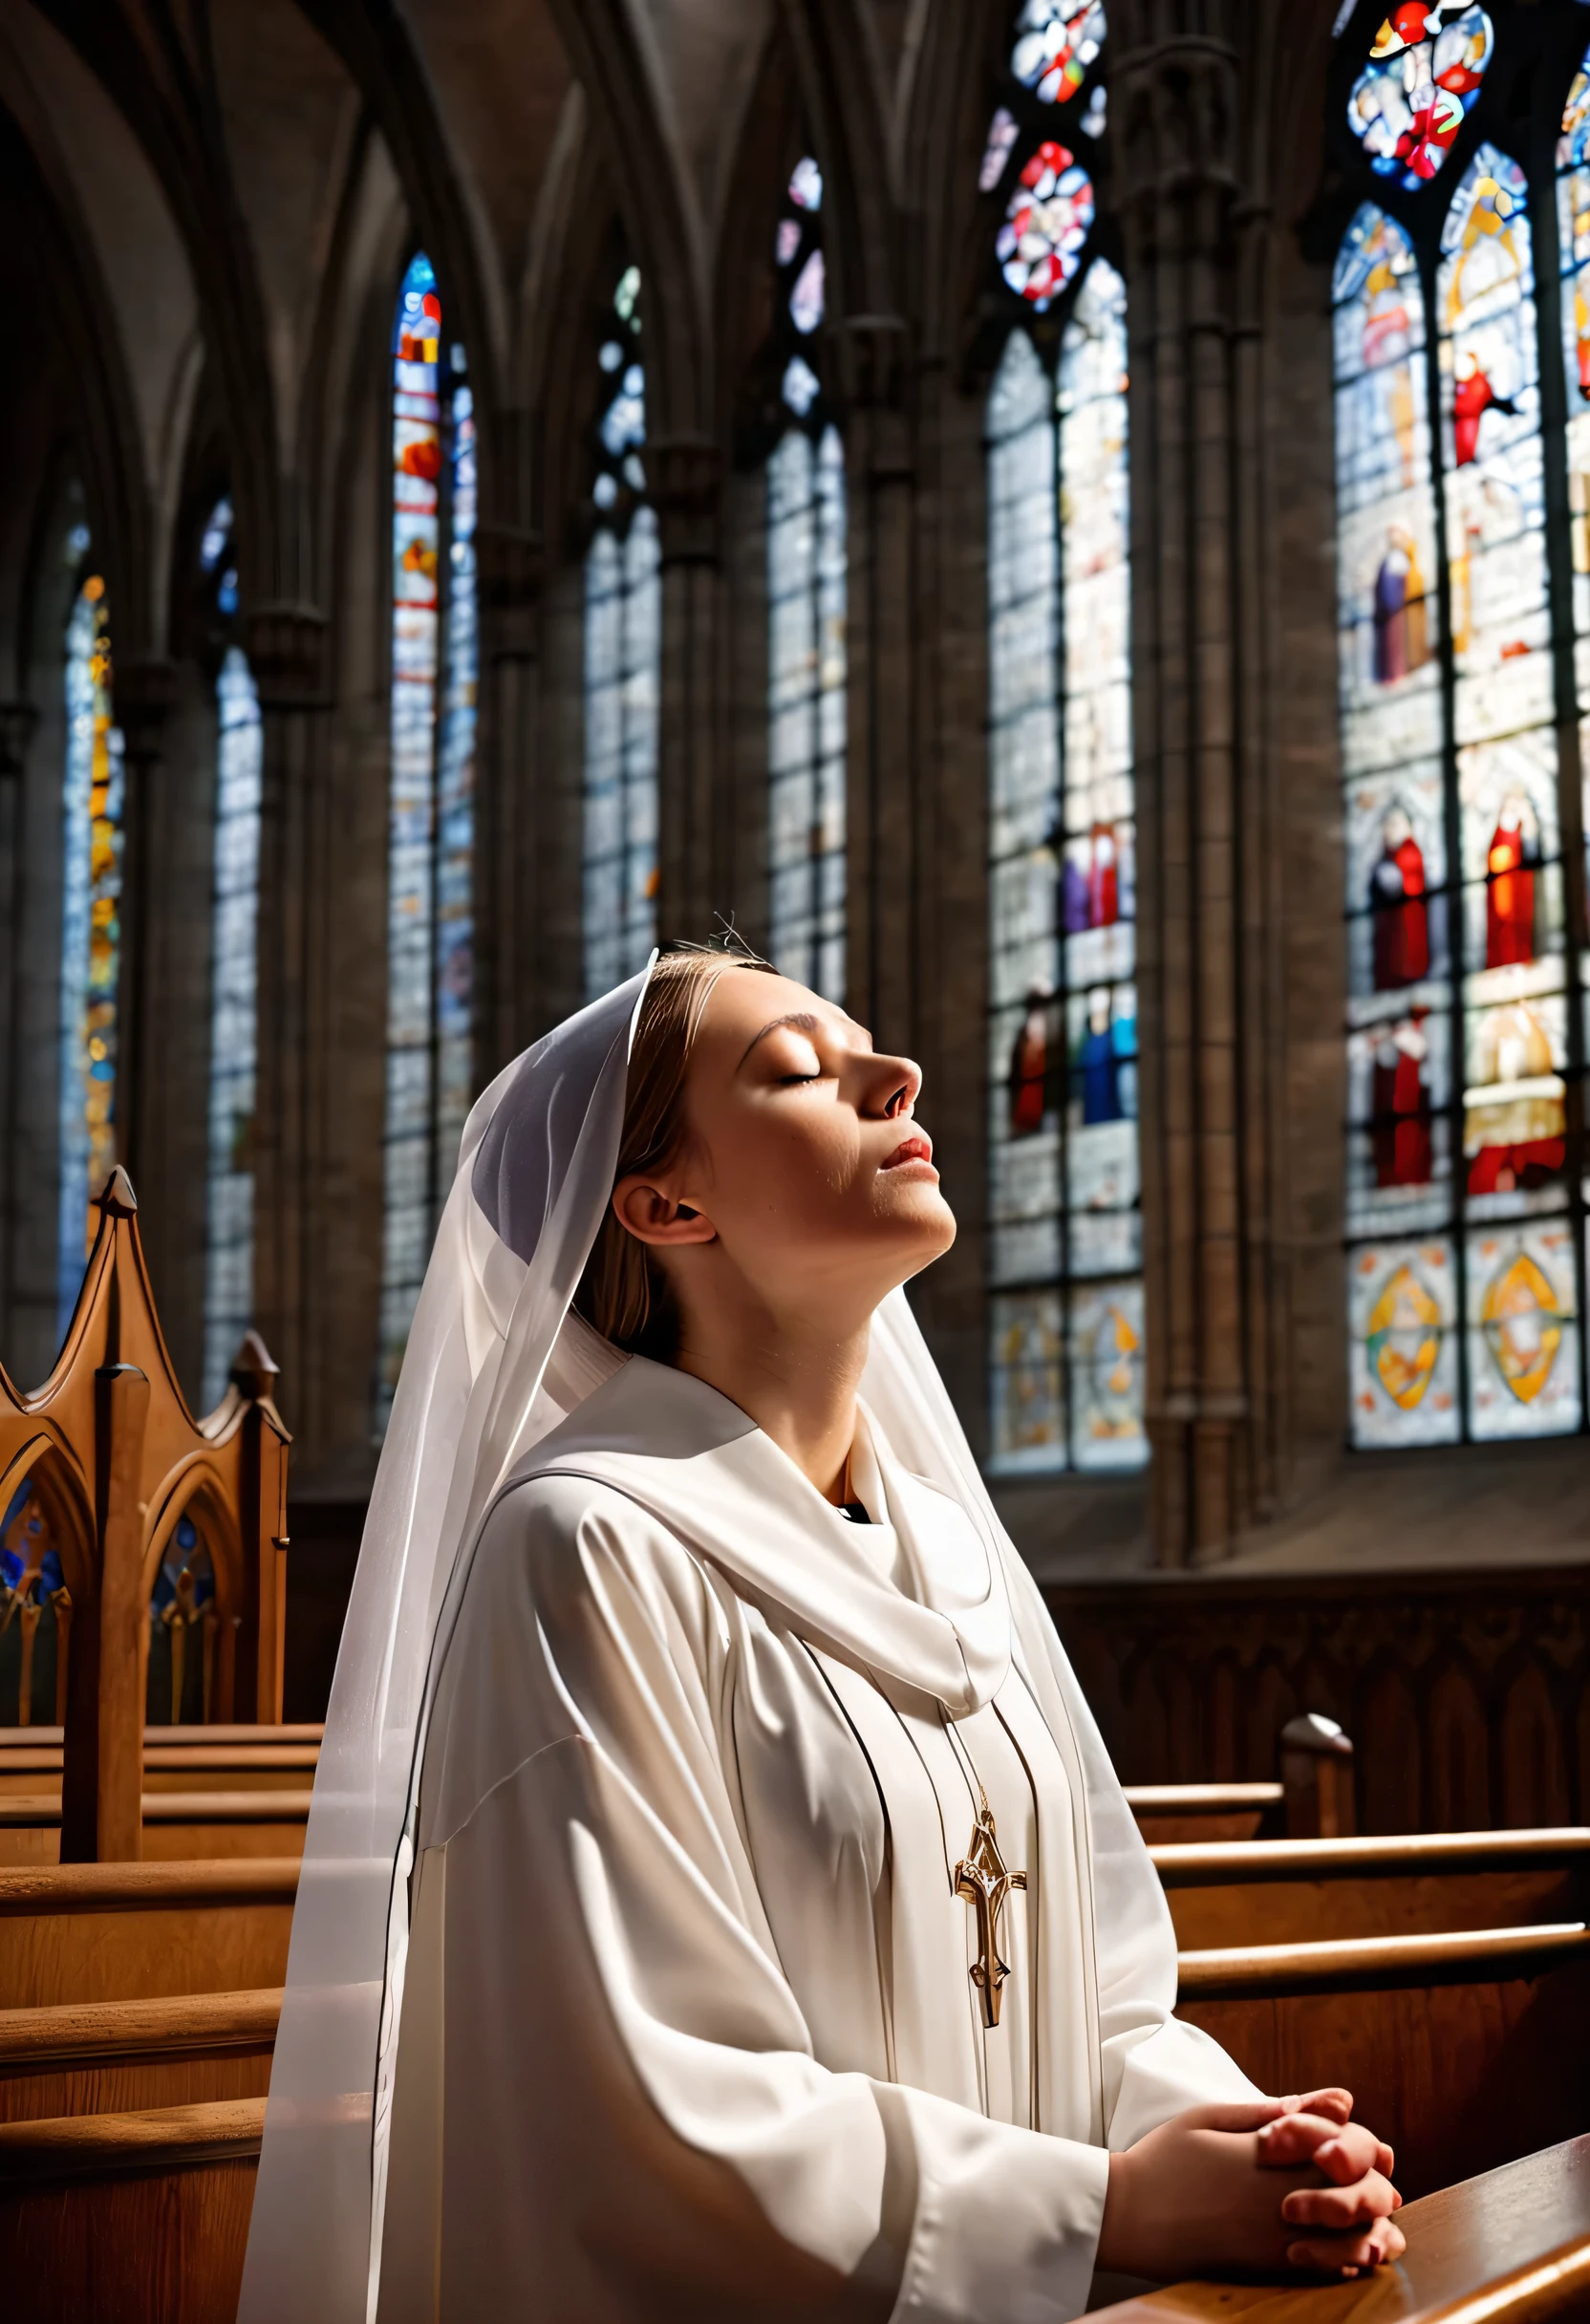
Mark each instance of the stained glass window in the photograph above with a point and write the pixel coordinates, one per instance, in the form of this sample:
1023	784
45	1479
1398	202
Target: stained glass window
805	639
1066	1322
94	798
234	979
1465	1018
623	638
435	673
1066	1241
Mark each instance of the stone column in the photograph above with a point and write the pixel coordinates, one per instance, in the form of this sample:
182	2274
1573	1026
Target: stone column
509	974
695	832
1174	115
286	653
144	693
882	832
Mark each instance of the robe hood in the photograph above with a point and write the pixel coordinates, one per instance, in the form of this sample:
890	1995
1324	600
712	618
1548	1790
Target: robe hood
938	1623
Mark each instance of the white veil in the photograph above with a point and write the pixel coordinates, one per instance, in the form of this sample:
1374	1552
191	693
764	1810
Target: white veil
494	1361
488	1369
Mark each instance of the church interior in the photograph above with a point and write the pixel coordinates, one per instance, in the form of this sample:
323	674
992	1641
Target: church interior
1063	524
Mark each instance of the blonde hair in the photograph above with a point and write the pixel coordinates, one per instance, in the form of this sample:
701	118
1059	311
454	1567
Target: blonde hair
624	1292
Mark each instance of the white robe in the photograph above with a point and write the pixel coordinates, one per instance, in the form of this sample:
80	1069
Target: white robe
688	2026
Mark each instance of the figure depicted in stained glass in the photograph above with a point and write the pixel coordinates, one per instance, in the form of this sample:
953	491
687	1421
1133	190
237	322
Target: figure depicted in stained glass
1522	1326
1401	637
1402	1342
1473	397
1422	75
1032	1064
1111	1362
1515	1114
1510	868
1401	921
1402	1134
1106	1061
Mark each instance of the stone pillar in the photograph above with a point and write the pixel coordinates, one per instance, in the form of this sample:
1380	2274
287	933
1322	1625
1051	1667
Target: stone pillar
684	478
1174	119
143	691
882	835
510	976
286	653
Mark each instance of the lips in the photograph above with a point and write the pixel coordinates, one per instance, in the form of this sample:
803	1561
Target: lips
917	1148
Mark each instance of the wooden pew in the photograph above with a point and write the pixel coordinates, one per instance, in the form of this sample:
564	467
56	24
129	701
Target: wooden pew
1463	2048
1510	2246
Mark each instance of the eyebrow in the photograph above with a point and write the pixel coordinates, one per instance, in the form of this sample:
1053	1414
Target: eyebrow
798	1020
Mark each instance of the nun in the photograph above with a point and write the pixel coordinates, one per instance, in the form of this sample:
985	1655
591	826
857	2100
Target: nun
718	1902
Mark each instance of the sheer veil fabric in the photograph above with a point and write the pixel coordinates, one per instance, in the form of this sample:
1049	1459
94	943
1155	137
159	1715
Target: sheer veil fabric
495	1362
488	1369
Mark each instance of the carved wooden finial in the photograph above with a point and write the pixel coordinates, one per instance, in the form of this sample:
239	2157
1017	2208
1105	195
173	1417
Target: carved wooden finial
116	1198
253	1367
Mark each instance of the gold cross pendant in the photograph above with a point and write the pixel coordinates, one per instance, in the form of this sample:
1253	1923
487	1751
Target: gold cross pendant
982	1879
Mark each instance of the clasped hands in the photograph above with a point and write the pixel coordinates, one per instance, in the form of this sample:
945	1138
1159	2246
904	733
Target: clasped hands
1278	2183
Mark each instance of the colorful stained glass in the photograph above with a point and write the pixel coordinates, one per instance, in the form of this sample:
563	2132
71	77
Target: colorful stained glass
1425	65
1001	137
623	643
1464	1014
94	798
1403	1343
429	908
1523	1331
1047	220
1065	1245
234	1033
1056	42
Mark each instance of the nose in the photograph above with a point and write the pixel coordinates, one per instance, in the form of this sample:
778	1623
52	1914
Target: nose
894	1085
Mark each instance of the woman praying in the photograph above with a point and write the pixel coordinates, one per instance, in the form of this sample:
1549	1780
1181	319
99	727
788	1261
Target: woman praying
718	1902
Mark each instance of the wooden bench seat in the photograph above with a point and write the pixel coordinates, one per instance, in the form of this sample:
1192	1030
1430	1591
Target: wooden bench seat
1208	1811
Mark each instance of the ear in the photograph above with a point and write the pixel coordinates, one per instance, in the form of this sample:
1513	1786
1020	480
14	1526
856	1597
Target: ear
652	1217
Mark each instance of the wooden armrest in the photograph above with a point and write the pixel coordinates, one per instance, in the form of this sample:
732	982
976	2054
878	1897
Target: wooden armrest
244	1880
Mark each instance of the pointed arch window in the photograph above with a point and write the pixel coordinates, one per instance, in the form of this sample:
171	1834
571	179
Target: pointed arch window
1064	1215
430	905
807	560
234	970
623	643
93	838
1462	447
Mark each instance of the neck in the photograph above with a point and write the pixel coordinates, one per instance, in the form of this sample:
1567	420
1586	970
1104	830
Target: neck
796	1381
